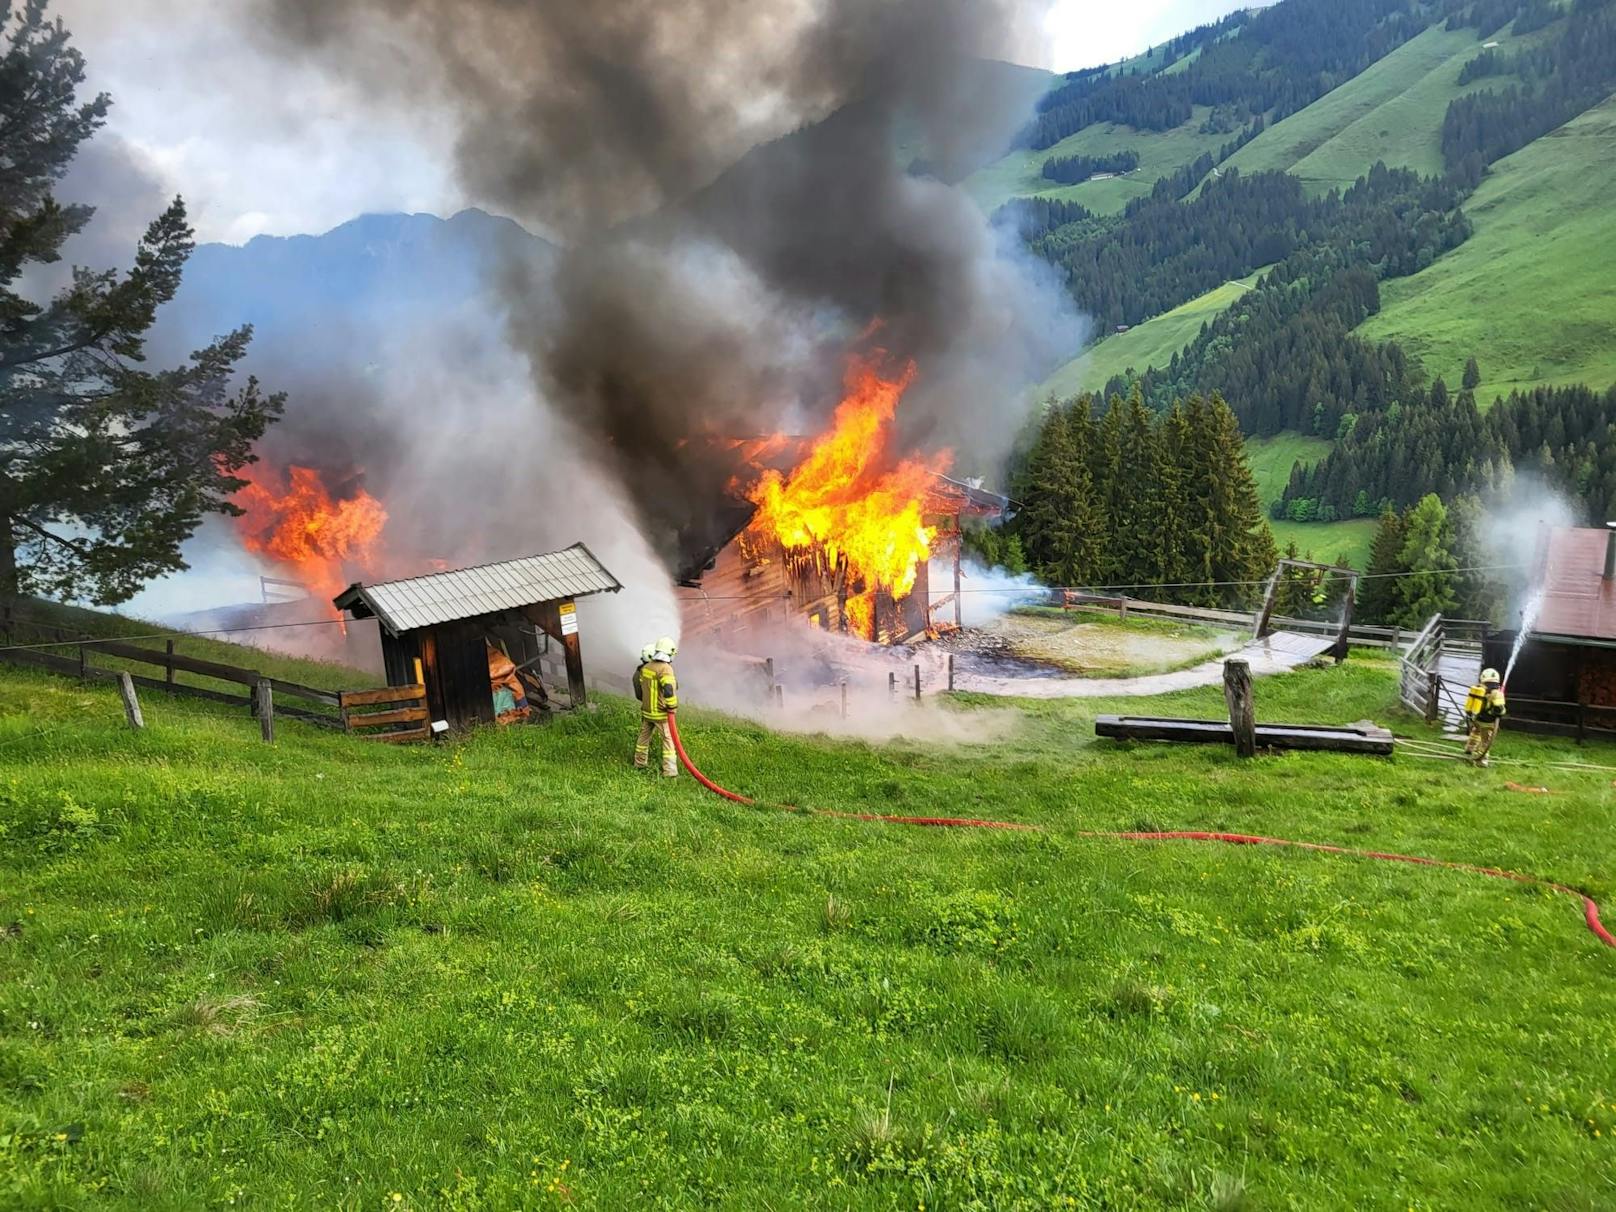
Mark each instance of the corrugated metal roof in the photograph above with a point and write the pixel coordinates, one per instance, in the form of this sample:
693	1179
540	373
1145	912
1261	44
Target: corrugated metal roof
1577	600
464	593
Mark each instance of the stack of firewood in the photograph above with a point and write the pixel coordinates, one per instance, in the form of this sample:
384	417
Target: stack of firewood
1597	685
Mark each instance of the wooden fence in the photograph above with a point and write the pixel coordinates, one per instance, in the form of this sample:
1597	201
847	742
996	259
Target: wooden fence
1139	608
24	642
1439	665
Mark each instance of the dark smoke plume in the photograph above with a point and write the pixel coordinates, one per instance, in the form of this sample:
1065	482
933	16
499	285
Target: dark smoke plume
713	279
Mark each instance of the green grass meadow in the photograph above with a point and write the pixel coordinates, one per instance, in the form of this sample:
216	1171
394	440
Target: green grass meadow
1532	293
510	971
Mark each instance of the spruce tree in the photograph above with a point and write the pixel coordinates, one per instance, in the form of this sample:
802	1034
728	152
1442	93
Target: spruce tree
1056	523
1428	586
1105	452
1241	549
1197	528
1377	595
106	468
1472	375
1136	521
1172	504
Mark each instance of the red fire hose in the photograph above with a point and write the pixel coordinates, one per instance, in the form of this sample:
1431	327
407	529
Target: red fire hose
1590	910
939	822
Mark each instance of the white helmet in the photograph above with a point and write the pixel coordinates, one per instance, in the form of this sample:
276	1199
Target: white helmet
647	653
664	649
1490	675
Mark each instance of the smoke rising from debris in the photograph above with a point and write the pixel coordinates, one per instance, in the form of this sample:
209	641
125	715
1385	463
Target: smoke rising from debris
712	282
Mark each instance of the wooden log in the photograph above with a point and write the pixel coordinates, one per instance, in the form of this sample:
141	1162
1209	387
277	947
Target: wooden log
264	706
1237	693
1356	738
131	704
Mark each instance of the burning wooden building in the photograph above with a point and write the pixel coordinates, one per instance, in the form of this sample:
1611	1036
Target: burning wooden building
451	631
749	577
842	531
1564	680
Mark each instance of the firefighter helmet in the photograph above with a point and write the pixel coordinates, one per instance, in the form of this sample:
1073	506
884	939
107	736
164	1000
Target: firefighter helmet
665	649
1490	675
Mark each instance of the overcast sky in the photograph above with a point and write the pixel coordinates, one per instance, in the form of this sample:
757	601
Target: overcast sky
258	144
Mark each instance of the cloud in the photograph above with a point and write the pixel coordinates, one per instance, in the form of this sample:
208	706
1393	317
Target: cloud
255	142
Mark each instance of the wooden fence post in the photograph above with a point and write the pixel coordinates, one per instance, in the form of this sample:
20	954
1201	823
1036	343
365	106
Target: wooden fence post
844	698
84	670
917	683
951	672
131	704
768	683
1433	696
779	697
892	684
1242	709
168	668
264	708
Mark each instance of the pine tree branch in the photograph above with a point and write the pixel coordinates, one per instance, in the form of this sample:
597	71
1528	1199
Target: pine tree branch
10	360
75	548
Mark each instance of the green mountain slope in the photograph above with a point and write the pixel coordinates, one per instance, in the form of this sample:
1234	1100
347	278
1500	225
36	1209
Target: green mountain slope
1018	175
1152	343
1532	294
1392	111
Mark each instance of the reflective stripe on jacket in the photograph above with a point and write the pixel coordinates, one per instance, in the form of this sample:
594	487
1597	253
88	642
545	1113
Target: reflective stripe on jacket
658	690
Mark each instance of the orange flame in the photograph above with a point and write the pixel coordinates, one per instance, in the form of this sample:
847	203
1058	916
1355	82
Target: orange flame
848	497
861	615
303	528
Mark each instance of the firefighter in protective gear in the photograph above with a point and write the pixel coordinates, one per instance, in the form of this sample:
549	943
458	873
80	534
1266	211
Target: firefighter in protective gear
658	691
1484	708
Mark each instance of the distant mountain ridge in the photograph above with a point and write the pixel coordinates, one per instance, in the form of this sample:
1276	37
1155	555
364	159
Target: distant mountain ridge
308	293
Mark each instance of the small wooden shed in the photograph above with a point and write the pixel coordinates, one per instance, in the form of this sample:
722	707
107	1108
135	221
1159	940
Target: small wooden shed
436	629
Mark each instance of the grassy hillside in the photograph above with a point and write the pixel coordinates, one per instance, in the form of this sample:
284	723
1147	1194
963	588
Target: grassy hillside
1531	293
1328	541
1152	343
1271	460
1392	111
1018	175
514	972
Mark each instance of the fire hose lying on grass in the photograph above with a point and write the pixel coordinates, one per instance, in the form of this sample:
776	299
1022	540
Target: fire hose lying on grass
940	822
1590	909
